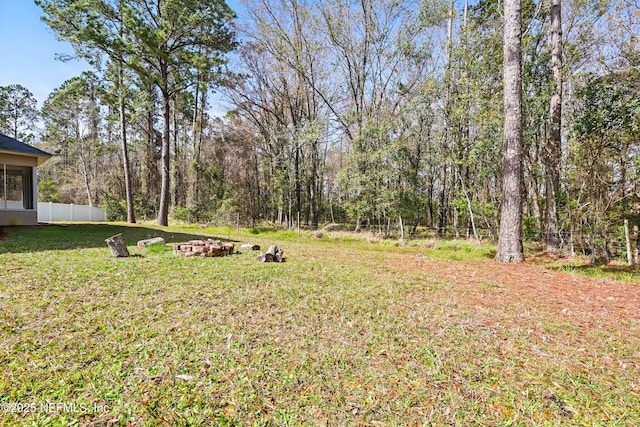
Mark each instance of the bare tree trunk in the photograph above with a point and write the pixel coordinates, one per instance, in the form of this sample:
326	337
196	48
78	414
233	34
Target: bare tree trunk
441	221
150	176
636	259
85	176
131	216
627	236
532	192
178	196
442	189
510	248
571	241
469	207
553	150
165	192
197	132
314	194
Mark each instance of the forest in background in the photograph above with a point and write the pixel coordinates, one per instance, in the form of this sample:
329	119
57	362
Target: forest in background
370	112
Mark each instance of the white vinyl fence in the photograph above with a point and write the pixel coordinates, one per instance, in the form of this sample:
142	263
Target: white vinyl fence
63	212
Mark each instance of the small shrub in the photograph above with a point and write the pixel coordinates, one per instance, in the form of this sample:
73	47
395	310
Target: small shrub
145	207
530	230
115	209
184	214
48	190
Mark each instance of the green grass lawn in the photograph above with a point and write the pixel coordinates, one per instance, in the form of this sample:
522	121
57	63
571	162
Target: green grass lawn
334	336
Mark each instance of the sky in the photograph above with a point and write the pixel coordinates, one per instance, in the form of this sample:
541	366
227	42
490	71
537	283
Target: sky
28	49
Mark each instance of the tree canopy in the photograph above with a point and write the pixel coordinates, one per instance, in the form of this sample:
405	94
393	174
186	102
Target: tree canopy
370	113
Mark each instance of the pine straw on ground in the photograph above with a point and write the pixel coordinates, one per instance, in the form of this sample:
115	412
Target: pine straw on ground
583	301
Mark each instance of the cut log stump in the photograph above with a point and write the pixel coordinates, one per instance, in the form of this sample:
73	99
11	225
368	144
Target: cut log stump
148	242
202	248
273	254
249	247
118	246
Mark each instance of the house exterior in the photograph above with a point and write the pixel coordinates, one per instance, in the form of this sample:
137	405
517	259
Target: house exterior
18	181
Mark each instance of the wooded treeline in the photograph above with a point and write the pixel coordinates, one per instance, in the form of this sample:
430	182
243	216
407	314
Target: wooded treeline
366	112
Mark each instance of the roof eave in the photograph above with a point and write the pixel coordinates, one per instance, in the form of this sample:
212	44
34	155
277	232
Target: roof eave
40	158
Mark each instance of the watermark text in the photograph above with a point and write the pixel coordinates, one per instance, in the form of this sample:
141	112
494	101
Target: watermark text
52	407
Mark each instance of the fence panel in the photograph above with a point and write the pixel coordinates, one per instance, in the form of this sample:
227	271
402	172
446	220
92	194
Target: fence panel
65	212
